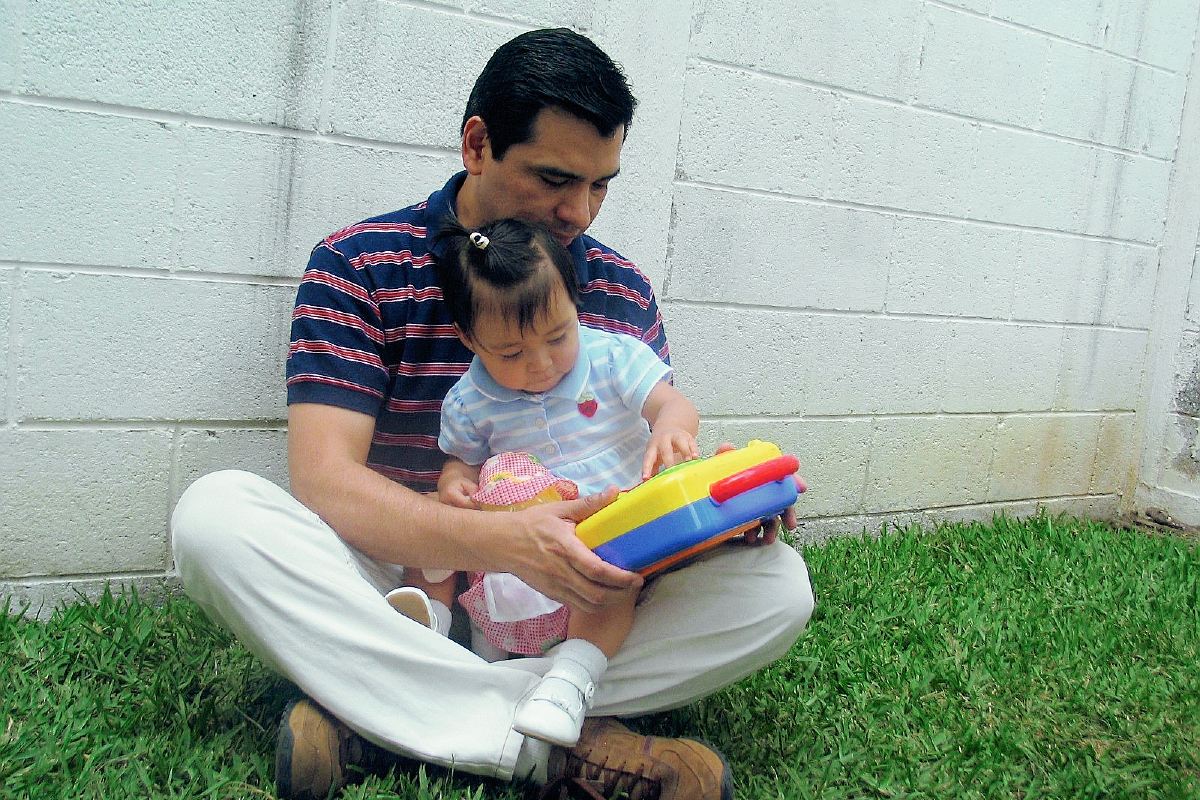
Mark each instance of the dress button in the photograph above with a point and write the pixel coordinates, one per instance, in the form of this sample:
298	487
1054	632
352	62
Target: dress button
549	449
541	423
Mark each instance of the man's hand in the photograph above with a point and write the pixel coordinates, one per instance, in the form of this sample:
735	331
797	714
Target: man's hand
768	531
539	545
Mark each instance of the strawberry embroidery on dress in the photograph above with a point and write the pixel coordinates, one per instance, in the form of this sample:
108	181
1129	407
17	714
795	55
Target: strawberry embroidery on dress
588	405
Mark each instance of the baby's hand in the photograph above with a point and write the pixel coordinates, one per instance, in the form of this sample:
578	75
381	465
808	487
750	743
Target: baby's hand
457	492
668	447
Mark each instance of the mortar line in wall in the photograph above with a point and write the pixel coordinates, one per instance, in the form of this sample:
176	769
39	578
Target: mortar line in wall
48	580
43	425
850	205
235	126
15	318
160	274
826	312
937	112
956	506
997	415
1049	35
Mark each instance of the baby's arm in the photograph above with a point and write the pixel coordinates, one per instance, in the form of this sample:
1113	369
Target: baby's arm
674	423
457	483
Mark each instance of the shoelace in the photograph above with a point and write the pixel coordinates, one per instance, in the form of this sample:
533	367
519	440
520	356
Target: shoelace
610	780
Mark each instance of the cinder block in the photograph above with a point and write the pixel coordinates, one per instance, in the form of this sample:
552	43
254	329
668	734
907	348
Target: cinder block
749	361
649	41
1044	455
10	44
928	461
257	204
7	281
1128	197
816	256
872	50
833	457
81	502
998	367
1006	65
1118	455
257	61
1099	97
261	451
575	14
1102	369
388	84
1079	280
1079	189
1159	32
755	132
110	347
83	188
951	269
1193	310
900	157
1078	22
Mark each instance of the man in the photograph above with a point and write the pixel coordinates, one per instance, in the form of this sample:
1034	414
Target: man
300	579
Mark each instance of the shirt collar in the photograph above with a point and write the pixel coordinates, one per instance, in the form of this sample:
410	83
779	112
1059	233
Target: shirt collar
569	388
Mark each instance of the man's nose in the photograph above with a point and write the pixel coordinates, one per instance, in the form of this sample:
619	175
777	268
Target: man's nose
576	208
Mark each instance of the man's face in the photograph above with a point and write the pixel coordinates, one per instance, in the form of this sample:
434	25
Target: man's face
558	178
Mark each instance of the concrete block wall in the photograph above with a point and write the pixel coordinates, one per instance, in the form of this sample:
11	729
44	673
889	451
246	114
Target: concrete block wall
919	243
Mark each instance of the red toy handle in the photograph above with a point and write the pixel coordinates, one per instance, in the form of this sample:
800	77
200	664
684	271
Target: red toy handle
760	474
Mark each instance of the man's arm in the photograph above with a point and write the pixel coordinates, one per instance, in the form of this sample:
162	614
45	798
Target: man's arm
327	456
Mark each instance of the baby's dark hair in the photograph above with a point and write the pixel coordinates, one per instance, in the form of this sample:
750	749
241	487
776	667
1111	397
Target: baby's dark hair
502	267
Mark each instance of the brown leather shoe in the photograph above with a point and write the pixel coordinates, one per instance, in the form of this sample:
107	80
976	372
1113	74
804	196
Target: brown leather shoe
611	760
315	752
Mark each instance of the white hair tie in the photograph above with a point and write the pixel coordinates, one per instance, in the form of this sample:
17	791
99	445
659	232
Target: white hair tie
479	240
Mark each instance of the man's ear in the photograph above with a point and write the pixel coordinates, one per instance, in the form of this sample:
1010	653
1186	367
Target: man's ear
475	145
463	338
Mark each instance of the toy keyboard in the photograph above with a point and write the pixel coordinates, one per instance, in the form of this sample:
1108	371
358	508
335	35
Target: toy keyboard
691	507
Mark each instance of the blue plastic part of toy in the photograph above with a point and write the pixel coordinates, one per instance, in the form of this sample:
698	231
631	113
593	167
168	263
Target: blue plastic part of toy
694	523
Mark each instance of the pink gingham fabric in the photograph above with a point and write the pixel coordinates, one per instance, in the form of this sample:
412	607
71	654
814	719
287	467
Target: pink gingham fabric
508	478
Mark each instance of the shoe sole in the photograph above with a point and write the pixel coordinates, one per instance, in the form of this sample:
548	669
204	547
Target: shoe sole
412	605
284	747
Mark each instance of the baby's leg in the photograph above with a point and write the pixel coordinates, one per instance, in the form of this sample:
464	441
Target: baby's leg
426	601
556	708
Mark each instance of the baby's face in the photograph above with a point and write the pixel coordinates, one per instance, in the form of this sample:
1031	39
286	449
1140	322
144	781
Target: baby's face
533	360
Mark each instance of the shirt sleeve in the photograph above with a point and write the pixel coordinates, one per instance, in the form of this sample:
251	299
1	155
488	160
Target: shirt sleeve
459	436
637	370
336	355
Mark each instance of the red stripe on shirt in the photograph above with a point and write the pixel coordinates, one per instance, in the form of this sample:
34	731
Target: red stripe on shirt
344	353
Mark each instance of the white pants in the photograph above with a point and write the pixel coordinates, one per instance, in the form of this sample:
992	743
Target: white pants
275	575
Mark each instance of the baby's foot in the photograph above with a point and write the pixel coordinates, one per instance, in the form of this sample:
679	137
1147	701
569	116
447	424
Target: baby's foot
555	710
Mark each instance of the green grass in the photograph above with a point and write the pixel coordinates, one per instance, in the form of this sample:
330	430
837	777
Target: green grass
1047	658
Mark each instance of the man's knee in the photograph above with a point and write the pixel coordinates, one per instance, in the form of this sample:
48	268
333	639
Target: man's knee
792	595
205	523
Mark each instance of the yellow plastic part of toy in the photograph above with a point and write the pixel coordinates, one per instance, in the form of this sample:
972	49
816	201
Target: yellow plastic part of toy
669	491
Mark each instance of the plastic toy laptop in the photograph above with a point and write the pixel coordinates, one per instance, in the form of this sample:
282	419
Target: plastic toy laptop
691	507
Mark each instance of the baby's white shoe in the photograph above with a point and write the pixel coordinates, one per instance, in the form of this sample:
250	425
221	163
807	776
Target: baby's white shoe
555	709
416	605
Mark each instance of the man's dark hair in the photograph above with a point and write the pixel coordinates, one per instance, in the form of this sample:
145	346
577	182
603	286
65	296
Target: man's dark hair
540	69
513	270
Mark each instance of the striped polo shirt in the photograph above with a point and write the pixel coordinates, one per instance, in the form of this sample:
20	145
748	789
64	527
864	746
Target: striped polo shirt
371	333
588	428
